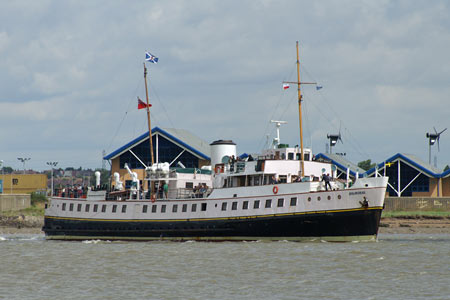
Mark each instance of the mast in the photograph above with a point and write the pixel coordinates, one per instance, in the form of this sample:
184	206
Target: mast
299	83
300	115
148	115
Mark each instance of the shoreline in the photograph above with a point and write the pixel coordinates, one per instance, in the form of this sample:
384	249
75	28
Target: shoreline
392	225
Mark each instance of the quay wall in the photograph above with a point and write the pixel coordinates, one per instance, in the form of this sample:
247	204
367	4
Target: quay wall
14	202
417	203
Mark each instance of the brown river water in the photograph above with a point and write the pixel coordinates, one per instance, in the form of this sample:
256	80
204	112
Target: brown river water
397	266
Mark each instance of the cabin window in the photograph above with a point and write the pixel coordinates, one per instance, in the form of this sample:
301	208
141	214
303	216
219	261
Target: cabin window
71	207
294	201
194	207
174	208
144	208
104	208
124	208
245	205
184	208
290	156
87	207
283	156
189	185
64	206
114	208
318	198
309	199
280	202
282	179
268	203
79	207
95	207
224	205
234	206
306	156
204	206
256	204
163	208
154	208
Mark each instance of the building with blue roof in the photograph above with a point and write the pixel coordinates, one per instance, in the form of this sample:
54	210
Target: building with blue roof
178	147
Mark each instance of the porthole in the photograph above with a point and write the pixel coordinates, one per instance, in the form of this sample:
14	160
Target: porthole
339	196
309	199
329	197
318	198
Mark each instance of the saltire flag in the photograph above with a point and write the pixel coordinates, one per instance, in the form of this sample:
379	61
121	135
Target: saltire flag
318	87
142	104
285	86
151	58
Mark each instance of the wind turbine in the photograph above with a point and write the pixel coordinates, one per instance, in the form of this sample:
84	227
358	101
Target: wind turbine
432	138
334	138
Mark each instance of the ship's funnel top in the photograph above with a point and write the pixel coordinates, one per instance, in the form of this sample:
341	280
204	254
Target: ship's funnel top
222	142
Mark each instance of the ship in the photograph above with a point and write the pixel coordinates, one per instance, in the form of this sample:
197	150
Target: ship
281	194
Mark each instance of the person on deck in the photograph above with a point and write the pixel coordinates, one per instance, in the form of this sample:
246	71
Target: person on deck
326	178
166	189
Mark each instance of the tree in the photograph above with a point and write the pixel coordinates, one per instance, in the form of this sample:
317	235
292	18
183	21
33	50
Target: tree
446	168
366	164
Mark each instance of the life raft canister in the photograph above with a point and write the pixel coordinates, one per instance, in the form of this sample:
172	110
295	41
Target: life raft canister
275	189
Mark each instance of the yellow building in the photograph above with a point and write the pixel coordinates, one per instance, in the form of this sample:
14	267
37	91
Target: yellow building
23	183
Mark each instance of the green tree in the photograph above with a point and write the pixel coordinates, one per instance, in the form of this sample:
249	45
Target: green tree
366	164
446	168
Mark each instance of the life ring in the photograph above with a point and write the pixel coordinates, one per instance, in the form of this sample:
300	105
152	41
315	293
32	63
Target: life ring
275	189
153	198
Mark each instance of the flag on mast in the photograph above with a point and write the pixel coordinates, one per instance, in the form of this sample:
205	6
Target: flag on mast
151	58
285	86
142	104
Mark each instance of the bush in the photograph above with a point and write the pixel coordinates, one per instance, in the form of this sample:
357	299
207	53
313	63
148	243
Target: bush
37	198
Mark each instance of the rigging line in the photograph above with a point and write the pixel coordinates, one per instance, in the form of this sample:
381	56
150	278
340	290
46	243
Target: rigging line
361	149
261	142
152	88
350	141
125	115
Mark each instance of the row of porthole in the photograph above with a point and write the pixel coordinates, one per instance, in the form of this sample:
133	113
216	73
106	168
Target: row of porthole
329	198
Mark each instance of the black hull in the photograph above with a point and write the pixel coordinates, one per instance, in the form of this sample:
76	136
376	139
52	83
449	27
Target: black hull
338	225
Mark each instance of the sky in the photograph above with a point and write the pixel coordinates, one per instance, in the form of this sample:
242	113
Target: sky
71	72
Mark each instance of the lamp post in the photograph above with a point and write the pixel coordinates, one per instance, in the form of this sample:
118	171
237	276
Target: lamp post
3	177
52	164
23	160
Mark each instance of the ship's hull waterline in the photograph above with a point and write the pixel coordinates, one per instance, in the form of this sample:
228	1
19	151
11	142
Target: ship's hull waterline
340	226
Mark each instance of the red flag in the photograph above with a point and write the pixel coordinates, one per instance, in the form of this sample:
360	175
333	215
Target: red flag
142	104
285	86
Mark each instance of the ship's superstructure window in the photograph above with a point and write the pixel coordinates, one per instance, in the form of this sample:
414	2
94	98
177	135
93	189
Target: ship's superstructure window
256	204
154	208
64	206
268	203
175	208
234	206
163	208
204	206
95	207
291	156
114	208
245	205
71	207
280	202
144	208
104	208
224	205
194	207
124	208
189	185
79	207
293	201
87	207
184	208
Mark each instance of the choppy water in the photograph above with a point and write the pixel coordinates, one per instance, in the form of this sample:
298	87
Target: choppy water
395	267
